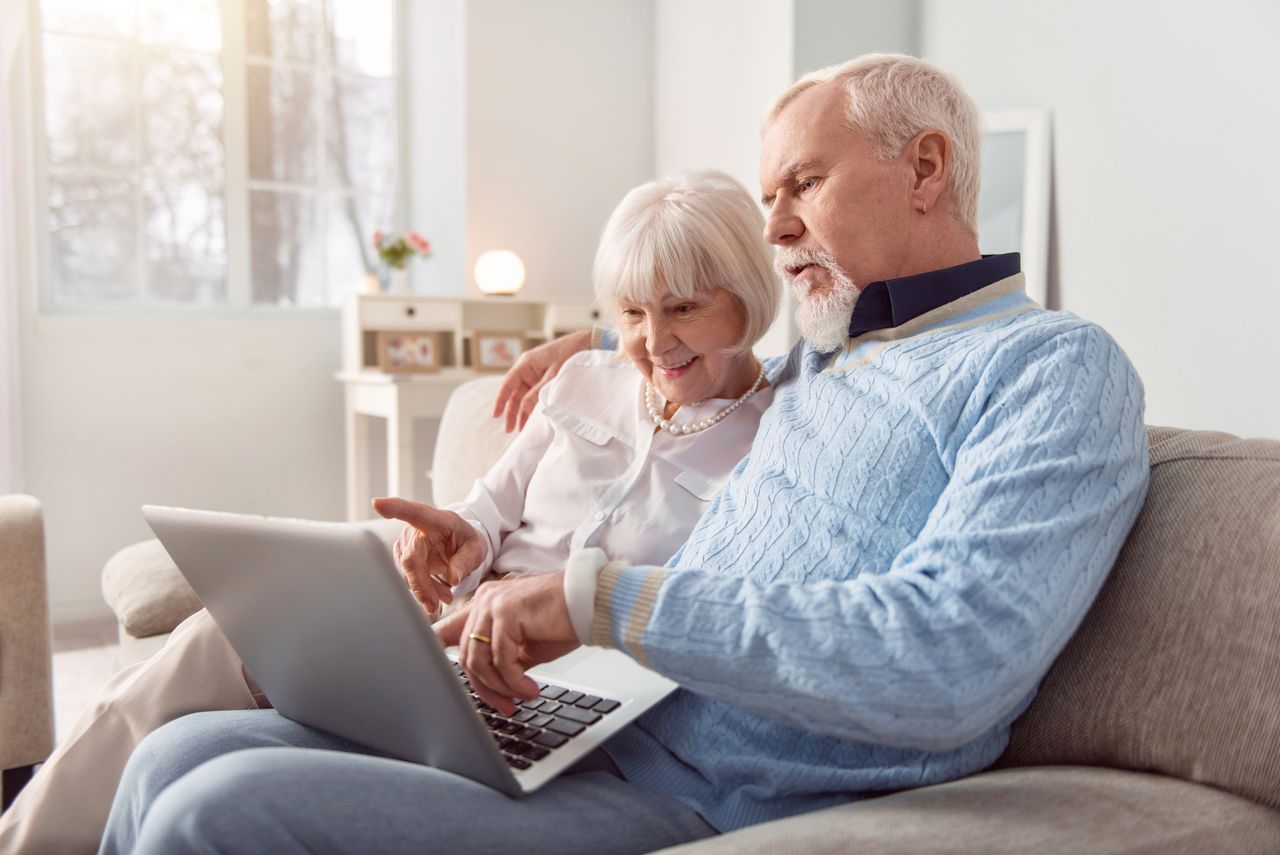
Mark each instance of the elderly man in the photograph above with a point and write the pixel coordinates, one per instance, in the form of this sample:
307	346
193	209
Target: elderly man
933	500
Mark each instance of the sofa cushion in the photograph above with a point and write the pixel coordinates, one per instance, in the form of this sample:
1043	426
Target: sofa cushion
143	587
469	441
1048	810
1176	668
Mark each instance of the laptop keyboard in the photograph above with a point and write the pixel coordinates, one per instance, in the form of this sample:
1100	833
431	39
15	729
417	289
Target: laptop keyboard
542	725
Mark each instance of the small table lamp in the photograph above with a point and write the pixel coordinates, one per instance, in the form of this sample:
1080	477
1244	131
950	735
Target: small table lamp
499	272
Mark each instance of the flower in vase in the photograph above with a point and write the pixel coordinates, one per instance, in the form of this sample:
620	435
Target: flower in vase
396	250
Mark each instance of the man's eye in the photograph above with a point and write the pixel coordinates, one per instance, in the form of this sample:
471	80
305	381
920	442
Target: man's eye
808	184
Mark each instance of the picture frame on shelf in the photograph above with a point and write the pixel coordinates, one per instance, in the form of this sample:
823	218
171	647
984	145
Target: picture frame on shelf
409	351
496	350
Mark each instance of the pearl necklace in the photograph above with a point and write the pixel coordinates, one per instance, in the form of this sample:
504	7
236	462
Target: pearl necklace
702	424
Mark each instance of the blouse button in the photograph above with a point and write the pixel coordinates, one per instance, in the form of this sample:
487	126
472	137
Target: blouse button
599	516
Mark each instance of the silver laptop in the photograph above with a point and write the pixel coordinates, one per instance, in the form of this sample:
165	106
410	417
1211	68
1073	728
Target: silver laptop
323	621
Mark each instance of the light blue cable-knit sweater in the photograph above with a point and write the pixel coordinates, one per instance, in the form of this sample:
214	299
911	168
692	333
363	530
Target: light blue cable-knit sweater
922	522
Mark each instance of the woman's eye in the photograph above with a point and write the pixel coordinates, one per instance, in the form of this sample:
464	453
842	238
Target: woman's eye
684	309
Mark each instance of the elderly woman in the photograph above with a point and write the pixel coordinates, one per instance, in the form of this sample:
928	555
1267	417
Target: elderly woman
624	452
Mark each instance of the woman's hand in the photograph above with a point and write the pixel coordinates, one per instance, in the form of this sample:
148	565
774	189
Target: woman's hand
436	550
526	622
533	370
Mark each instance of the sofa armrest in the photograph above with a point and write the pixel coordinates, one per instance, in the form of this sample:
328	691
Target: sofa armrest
26	665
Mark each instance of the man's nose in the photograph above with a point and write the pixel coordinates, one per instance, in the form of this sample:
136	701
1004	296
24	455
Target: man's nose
782	227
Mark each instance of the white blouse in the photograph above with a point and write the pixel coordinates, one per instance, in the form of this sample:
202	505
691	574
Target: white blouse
589	470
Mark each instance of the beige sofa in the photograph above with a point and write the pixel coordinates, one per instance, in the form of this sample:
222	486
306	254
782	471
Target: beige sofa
1156	731
26	686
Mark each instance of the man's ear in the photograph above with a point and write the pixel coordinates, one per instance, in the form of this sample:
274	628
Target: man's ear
929	154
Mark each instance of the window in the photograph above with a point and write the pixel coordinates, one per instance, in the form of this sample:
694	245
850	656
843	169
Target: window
204	153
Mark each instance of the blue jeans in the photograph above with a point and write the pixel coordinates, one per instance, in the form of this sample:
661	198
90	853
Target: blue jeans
254	781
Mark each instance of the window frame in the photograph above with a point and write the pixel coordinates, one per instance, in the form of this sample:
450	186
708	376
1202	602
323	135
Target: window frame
234	60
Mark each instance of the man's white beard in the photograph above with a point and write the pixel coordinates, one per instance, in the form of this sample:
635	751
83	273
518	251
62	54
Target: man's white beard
823	319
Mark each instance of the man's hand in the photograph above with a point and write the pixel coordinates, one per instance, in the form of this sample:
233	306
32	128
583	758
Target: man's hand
527	623
435	551
533	370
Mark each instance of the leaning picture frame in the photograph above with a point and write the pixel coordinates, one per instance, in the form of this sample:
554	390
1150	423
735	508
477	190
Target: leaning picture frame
409	351
1013	204
496	350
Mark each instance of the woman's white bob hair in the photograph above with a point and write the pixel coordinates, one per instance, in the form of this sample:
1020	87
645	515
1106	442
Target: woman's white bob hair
691	232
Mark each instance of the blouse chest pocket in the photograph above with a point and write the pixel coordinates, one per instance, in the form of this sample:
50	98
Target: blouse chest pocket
593	432
704	489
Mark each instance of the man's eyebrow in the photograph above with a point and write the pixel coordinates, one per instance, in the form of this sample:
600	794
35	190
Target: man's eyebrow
789	177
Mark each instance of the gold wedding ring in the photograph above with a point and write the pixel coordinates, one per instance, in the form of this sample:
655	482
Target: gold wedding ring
483	639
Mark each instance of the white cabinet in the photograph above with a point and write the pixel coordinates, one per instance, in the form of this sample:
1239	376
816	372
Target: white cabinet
401	400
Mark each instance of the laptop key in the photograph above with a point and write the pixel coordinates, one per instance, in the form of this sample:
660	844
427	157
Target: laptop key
526	732
575	714
570	697
533	704
517	762
549	739
523	715
541	720
606	706
568	728
549	707
587	702
528	749
552	692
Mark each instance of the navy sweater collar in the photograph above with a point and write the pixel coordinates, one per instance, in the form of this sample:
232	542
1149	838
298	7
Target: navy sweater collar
893	302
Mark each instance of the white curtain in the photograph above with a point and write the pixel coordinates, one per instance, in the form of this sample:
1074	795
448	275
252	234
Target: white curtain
13	24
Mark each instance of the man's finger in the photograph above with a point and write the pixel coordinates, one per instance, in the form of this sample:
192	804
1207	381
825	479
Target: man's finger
512	389
528	402
512	411
502	703
449	629
506	659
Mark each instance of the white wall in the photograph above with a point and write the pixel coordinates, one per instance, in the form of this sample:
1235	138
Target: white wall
560	126
434	43
11	476
227	414
828	32
718	65
1164	119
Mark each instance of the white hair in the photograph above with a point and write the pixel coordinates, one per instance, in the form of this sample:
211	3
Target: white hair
893	97
691	232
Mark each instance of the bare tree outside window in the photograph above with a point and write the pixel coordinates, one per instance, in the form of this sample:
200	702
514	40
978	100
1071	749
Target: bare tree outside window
141	139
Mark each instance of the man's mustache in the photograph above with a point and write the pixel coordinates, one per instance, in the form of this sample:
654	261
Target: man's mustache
789	258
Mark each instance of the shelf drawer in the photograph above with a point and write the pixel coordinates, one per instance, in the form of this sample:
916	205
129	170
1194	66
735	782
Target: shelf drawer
409	314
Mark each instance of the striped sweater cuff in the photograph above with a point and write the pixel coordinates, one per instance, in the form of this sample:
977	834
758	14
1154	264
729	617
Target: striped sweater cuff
625	597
